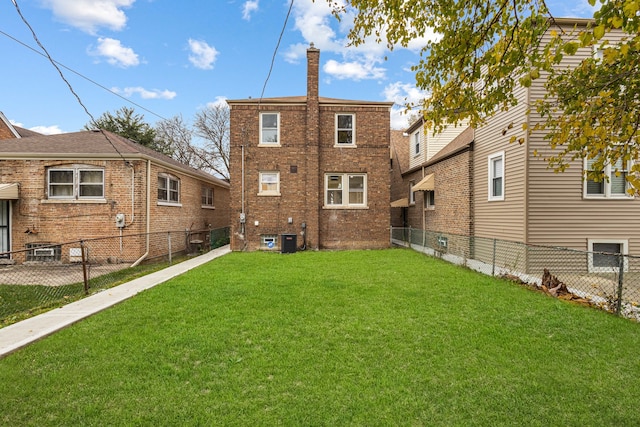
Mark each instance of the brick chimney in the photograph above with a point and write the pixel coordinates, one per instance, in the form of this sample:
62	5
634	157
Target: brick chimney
313	177
313	66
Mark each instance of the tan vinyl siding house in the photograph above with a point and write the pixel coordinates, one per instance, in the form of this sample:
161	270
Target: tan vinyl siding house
539	206
560	213
501	215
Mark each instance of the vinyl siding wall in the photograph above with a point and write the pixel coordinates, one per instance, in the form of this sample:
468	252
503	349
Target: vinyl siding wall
559	215
503	219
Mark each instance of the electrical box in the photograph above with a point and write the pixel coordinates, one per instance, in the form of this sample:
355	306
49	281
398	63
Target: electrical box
120	220
243	218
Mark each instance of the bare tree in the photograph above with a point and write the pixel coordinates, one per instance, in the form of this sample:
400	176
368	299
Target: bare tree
212	125
176	136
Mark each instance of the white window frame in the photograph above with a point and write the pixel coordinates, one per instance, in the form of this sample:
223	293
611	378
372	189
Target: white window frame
345	191
491	176
168	179
624	245
262	142
207	194
76	183
429	200
412	194
609	172
261	180
339	129
416	142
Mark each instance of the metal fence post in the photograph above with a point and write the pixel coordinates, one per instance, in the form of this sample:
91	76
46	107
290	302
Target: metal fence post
85	276
620	282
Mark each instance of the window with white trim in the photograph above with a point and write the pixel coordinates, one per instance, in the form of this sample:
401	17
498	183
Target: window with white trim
416	143
496	176
207	197
269	128
613	181
412	194
345	129
604	255
345	190
78	182
168	189
269	184
430	200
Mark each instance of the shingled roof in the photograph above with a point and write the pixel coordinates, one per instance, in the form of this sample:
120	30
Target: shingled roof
92	144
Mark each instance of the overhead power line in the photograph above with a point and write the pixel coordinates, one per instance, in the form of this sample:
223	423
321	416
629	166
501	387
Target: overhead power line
82	76
35	37
273	58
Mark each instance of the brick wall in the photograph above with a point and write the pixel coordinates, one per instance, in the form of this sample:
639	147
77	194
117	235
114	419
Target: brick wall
58	221
302	179
453	199
306	152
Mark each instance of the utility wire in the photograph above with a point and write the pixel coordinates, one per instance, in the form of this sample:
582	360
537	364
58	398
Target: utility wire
35	37
273	58
83	76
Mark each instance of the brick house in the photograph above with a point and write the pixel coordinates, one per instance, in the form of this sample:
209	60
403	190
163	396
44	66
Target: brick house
66	187
309	169
431	179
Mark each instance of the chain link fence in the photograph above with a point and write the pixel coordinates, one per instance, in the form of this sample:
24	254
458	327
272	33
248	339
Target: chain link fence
601	279
46	275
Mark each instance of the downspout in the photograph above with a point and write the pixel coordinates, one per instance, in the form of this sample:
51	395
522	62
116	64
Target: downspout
424	214
133	194
139	260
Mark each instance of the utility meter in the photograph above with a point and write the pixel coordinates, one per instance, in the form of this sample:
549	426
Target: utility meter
120	220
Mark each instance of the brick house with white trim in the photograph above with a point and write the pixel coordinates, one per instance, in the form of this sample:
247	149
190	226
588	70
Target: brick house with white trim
310	169
66	187
432	179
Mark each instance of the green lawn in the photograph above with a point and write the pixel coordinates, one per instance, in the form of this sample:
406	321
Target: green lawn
387	337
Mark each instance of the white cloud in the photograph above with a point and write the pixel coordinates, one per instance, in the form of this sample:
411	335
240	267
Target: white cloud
115	53
353	70
316	24
202	55
403	95
47	130
90	15
219	101
145	93
248	8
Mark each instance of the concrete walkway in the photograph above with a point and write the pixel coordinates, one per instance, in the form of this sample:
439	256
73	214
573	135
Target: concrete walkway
18	335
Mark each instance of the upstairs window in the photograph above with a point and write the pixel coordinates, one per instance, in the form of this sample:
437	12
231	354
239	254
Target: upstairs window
207	197
345	129
76	183
345	190
496	176
613	181
416	143
168	189
269	129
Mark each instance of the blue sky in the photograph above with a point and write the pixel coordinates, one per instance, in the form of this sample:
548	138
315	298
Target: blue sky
166	57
